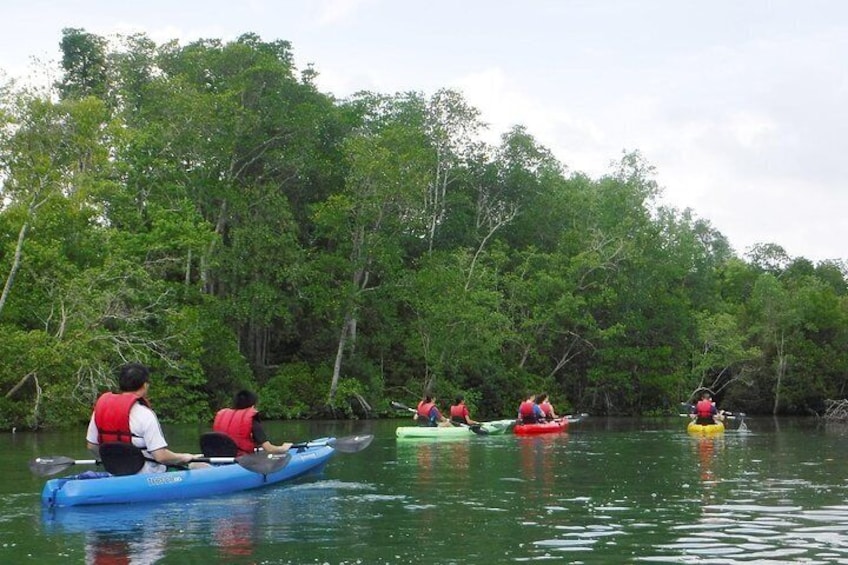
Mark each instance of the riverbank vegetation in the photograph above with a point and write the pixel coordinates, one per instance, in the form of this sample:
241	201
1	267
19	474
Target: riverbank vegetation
207	210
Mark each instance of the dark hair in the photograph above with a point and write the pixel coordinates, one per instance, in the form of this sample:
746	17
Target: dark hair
542	397
132	377
244	399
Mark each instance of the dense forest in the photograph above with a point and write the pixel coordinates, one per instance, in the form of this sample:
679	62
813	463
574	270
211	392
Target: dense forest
206	210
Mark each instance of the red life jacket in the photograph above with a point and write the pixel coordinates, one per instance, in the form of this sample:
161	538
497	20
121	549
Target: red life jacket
526	412
704	409
459	412
112	416
547	409
238	424
424	409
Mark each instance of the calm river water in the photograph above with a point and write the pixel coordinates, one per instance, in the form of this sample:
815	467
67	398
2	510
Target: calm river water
607	491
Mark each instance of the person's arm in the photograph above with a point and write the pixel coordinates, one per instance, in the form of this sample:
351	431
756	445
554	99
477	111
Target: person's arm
261	438
436	416
165	456
271	448
154	439
91	437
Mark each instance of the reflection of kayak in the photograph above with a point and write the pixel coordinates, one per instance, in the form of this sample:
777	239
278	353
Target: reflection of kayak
541	428
694	428
152	487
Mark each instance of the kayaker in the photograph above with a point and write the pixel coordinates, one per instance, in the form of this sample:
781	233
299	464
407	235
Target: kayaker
427	414
126	416
706	412
529	412
546	407
243	423
459	412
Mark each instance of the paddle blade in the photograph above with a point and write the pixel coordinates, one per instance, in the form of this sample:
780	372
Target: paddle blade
50	465
399	406
480	431
263	463
352	444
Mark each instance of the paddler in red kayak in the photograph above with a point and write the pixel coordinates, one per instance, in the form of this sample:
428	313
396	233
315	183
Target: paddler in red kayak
529	411
546	407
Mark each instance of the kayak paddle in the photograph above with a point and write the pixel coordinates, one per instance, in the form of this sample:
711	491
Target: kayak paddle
347	444
476	428
399	406
259	462
46	466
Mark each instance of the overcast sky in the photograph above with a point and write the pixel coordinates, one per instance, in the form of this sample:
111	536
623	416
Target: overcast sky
742	106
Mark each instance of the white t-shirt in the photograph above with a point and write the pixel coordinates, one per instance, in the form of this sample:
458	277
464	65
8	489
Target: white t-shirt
147	434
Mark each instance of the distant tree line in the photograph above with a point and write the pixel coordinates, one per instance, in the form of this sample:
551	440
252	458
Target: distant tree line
206	210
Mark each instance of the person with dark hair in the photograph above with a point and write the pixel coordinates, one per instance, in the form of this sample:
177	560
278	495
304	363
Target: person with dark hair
529	412
459	412
427	414
242	422
126	416
546	407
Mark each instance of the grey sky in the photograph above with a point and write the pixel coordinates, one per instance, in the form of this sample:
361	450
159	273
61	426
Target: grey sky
741	106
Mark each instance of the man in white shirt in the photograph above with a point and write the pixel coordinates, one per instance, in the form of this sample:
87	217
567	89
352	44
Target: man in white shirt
127	417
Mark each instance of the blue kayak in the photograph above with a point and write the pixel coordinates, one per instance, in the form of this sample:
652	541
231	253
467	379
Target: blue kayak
152	487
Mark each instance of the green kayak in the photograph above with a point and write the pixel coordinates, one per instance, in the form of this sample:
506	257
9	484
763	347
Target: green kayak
446	432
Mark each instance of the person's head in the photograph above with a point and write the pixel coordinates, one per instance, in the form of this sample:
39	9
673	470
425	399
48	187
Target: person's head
244	399
541	398
132	377
705	395
459	399
428	399
531	396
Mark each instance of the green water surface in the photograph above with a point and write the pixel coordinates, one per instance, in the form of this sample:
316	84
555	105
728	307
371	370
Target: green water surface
607	491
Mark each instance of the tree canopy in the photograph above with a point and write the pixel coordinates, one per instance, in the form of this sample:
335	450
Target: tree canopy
206	210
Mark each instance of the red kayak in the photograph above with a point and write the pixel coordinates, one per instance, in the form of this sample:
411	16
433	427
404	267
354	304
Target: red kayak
541	428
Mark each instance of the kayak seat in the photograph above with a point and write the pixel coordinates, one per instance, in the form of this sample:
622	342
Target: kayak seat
217	444
121	458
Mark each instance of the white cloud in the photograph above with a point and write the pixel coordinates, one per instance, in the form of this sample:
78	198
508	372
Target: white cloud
335	11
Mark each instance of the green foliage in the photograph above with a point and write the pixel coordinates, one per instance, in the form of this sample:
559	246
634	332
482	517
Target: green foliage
205	210
292	392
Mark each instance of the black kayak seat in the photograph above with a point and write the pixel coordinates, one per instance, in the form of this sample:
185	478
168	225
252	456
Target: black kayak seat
217	444
121	458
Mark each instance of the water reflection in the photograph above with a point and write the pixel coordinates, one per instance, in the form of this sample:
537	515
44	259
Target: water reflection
539	462
708	448
228	529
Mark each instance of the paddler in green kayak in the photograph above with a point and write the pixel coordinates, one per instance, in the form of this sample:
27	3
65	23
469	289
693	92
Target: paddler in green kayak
427	414
459	412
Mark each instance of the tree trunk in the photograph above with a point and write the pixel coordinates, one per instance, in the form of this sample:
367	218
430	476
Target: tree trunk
781	371
347	329
16	263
